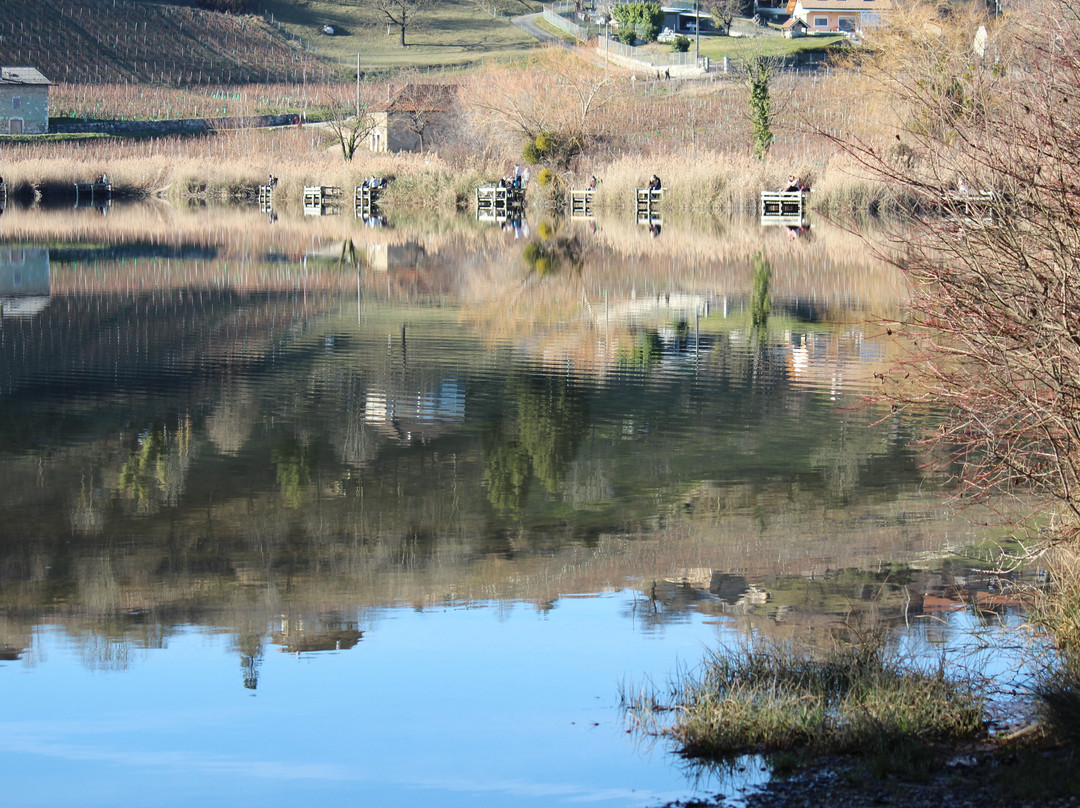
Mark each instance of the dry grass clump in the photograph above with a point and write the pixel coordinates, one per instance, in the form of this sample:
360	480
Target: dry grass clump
1056	611
776	699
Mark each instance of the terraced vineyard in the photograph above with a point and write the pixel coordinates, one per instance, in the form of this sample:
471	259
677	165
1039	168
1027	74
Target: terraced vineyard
117	41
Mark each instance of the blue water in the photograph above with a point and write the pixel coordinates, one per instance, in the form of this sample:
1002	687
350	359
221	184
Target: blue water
278	527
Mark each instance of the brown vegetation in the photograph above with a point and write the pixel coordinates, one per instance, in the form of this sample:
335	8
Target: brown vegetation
995	280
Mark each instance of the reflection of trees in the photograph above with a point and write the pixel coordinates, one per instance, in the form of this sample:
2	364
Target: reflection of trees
293	464
646	352
551	252
507	472
232	420
759	296
541	440
155	474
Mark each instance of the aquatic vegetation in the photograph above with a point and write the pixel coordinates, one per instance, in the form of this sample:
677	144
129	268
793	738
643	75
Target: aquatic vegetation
858	698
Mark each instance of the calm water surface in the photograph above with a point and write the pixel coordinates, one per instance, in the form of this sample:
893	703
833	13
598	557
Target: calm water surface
306	508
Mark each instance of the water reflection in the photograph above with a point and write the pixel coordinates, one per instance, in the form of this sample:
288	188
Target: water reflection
345	442
24	280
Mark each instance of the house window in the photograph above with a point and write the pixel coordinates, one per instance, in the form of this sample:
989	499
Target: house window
821	22
16	102
846	24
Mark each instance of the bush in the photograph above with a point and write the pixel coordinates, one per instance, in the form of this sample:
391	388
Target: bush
680	44
531	153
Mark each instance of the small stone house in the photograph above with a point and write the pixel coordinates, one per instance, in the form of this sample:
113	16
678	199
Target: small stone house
413	118
24	101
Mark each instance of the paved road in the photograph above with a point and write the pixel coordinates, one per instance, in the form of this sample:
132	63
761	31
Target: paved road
526	23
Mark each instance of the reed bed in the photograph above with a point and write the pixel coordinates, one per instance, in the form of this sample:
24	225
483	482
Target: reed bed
859	698
695	135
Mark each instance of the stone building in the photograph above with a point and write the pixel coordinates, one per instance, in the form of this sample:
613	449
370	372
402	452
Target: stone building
24	101
413	119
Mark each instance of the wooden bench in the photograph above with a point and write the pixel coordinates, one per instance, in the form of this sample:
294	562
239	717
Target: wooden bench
321	200
91	192
495	203
648	205
783	207
581	203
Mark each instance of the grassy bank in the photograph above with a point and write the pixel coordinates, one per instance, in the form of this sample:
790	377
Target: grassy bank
861	698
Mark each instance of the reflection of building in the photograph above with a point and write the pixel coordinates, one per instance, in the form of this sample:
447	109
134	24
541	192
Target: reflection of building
386	257
416	414
829	361
323	632
24	280
24	101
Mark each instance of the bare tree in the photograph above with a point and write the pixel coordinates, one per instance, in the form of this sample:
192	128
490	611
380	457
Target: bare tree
423	107
725	11
560	93
402	13
349	123
986	158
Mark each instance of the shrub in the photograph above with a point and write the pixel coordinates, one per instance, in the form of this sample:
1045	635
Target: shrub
680	44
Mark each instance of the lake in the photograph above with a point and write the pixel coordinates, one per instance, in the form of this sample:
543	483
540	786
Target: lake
302	508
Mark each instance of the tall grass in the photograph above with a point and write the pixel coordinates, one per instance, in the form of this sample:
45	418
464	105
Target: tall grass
1056	611
860	698
694	135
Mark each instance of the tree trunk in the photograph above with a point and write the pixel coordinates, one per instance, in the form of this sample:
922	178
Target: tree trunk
402	27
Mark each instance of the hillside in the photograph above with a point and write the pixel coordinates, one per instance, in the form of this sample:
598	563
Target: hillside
124	41
121	41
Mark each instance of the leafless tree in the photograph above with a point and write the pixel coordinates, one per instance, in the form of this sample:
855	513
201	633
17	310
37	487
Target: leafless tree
349	129
402	13
423	107
725	11
986	158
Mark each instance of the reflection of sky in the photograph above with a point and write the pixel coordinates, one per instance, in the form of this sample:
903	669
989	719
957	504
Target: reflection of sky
486	705
462	706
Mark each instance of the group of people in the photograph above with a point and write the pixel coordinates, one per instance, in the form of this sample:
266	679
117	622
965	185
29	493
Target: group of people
518	180
374	182
271	181
654	183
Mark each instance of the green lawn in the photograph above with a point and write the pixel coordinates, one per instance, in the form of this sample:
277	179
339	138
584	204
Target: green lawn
455	33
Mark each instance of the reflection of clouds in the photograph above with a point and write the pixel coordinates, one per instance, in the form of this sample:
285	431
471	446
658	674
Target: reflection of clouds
233	418
32	739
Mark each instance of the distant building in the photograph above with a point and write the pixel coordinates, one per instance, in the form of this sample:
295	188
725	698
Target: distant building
793	28
414	118
24	101
686	21
839	16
